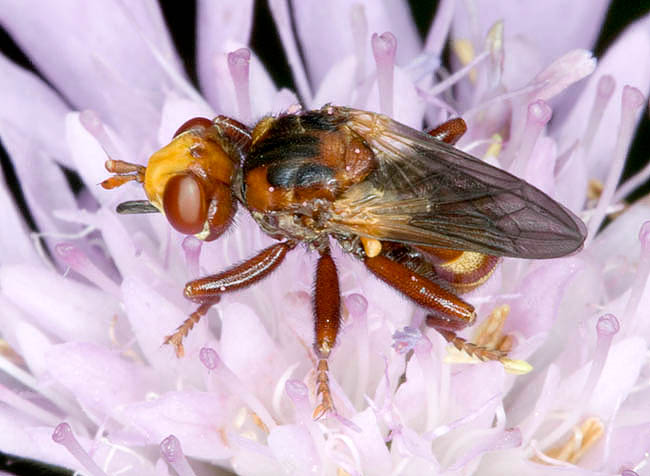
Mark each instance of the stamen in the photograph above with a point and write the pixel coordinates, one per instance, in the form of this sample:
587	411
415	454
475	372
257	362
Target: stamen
192	249
384	47
464	50
604	91
238	65
458	75
63	435
631	312
494	44
584	437
171	451
539	113
439	30
606	328
79	262
405	341
299	395
359	26
631	102
495	147
91	122
227	377
489	333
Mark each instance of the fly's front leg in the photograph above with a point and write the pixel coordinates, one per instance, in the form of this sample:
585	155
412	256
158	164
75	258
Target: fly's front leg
447	312
207	291
327	319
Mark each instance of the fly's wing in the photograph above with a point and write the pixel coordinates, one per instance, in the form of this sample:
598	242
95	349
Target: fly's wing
426	192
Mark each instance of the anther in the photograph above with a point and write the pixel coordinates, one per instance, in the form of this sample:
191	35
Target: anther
63	435
171	451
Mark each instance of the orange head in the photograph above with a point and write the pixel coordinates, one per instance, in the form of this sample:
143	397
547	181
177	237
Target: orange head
190	179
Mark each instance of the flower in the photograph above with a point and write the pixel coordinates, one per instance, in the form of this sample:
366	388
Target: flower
87	383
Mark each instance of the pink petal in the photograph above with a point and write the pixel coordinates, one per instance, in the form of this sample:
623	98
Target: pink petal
248	350
563	72
293	448
33	346
153	317
45	191
628	445
21	437
325	32
100	379
88	159
474	387
541	292
129	69
627	62
541	165
219	24
176	111
537	24
197	419
85	314
31	107
15	242
620	374
252	458
370	444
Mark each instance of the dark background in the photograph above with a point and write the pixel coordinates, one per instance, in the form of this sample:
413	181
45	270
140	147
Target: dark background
265	42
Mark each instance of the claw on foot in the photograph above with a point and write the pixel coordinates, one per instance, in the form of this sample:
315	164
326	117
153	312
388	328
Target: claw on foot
326	404
473	350
176	339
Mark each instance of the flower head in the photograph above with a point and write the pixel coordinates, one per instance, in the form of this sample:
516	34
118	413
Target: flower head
86	305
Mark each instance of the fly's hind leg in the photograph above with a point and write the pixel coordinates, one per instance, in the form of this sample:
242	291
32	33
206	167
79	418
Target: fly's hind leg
449	131
448	313
207	291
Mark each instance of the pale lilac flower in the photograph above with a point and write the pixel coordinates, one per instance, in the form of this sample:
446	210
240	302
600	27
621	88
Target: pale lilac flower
86	382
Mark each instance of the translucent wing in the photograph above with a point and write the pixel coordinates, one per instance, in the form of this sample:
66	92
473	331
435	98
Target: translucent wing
429	193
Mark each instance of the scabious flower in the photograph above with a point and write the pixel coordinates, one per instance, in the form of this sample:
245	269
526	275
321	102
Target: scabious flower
85	305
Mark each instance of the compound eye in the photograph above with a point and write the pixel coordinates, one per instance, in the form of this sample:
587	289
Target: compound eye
197	123
185	204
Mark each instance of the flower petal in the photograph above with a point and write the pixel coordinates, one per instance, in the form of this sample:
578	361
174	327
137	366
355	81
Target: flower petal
85	314
27	102
627	62
536	23
197	419
326	33
294	449
129	69
219	23
99	378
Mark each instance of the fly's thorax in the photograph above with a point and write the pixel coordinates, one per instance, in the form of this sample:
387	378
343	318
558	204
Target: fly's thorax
300	158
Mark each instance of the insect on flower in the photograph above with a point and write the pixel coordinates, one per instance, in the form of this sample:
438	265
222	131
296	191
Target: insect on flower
423	216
